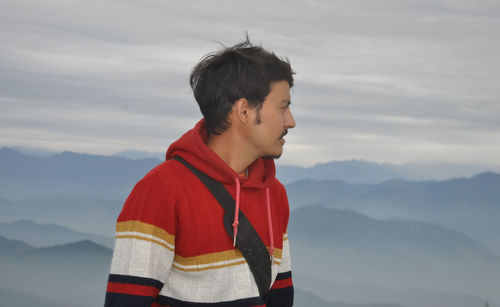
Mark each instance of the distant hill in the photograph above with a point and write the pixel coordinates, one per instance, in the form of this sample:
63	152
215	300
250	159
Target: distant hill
347	247
366	172
348	229
363	294
41	235
112	177
470	205
11	298
483	189
69	174
305	299
81	213
72	274
9	247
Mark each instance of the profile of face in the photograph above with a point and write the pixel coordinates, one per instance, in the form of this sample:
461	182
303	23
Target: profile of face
272	121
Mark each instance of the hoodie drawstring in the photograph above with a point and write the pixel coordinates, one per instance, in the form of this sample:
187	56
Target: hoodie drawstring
237	211
269	219
270	223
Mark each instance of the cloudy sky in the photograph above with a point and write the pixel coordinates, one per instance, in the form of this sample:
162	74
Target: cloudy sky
386	80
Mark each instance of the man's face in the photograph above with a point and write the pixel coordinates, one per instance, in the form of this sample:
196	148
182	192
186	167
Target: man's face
272	122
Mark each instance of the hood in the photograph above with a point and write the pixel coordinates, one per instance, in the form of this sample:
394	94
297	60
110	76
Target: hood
192	148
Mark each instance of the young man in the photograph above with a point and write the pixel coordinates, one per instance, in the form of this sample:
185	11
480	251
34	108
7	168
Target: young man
173	244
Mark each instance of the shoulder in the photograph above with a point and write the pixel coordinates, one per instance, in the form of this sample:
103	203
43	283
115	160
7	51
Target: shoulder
166	172
162	183
277	187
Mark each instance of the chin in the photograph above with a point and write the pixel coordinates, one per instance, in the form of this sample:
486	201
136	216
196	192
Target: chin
273	156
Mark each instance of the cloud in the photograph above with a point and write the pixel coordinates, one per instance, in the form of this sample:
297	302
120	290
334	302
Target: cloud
391	81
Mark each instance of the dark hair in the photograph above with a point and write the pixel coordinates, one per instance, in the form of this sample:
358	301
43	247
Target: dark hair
241	71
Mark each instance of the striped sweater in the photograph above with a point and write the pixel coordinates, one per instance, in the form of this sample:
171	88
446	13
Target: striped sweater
171	248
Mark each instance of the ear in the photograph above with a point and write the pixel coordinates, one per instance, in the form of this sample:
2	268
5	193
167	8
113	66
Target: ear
241	110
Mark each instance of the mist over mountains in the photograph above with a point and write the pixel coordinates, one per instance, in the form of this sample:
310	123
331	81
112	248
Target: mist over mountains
347	245
69	174
112	177
470	205
72	274
43	235
362	233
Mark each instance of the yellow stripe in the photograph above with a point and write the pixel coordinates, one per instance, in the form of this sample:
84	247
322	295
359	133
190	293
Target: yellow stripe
209	267
278	253
209	258
145	239
149	229
216	257
213	266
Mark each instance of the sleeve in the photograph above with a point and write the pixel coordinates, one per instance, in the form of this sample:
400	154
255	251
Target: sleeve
281	293
144	244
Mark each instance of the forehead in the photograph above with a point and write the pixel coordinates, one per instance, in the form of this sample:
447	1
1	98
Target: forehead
280	92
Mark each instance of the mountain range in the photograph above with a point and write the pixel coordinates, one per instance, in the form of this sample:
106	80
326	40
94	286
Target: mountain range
69	174
469	205
327	244
360	232
72	274
71	271
347	248
111	177
43	235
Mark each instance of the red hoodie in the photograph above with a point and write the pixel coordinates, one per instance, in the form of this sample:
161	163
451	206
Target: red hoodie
171	248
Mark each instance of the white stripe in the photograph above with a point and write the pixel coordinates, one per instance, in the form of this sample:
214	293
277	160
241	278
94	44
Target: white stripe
285	265
201	266
141	258
211	286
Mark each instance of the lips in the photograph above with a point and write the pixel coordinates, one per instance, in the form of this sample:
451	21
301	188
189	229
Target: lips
284	133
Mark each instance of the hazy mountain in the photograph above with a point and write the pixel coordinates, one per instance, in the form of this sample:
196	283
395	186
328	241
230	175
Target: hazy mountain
86	193
112	177
306	299
74	274
40	235
362	294
482	189
355	171
347	247
11	298
332	245
365	172
69	174
359	171
470	205
80	213
9	247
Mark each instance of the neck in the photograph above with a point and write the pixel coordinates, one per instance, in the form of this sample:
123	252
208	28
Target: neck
231	150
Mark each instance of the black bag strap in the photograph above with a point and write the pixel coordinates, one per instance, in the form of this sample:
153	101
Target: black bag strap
247	241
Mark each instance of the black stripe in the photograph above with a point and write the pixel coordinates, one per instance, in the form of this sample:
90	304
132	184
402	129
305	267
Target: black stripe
164	300
285	275
280	297
127	300
143	281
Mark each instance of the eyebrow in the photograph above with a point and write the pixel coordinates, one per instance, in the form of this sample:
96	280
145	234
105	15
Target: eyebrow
287	101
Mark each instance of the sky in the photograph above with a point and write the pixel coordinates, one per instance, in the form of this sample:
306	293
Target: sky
386	81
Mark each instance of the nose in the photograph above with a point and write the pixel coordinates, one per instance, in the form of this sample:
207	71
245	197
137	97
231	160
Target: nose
290	121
